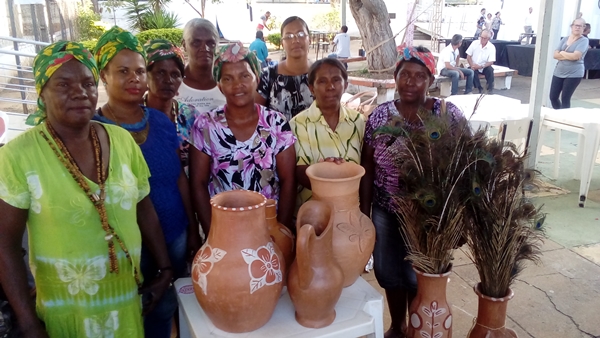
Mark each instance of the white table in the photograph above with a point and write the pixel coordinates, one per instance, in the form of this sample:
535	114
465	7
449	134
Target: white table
586	123
359	312
493	109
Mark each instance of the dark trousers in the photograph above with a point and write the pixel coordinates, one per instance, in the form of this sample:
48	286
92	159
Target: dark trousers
495	37
565	85
488	72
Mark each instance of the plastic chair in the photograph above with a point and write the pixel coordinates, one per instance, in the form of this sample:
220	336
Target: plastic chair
479	125
3	126
517	132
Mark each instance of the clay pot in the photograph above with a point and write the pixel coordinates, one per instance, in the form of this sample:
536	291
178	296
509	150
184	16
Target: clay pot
238	273
429	313
491	316
280	234
353	231
315	281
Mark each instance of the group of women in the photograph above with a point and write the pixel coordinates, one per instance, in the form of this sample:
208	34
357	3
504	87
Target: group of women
112	197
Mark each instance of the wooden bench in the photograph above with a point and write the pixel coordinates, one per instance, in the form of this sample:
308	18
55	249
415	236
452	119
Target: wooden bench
353	59
386	89
444	83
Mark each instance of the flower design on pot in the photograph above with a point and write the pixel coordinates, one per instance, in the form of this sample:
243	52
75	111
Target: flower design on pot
263	266
203	264
355	231
429	329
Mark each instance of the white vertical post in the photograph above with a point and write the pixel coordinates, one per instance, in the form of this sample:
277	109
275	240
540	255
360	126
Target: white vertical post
546	40
344	12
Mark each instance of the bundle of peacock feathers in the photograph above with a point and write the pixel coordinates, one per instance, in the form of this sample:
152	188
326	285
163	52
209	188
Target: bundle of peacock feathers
432	161
503	227
456	184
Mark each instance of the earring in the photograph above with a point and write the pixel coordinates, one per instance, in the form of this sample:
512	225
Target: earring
104	83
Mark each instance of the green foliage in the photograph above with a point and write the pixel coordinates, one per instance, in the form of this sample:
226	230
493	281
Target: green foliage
175	35
160	20
330	21
88	23
274	24
89	44
275	39
135	11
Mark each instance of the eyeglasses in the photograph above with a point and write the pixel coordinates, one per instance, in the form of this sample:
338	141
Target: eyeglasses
577	26
291	36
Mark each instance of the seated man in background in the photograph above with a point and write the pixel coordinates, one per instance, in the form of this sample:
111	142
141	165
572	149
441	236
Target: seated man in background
259	47
448	65
481	55
341	44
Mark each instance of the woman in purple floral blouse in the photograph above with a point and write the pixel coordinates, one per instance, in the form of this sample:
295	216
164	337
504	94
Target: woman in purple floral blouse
414	74
241	145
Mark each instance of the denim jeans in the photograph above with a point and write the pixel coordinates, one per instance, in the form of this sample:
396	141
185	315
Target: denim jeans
157	324
455	76
335	56
391	270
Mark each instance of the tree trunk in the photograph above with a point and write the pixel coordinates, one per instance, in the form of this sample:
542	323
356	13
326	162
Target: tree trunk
373	22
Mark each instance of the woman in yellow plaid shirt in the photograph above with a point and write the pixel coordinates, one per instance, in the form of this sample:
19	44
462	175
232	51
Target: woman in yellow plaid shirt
326	131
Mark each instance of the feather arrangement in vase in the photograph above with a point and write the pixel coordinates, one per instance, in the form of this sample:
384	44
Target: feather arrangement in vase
432	159
503	227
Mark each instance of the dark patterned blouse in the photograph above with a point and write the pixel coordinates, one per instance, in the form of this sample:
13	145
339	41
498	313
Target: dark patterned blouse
285	93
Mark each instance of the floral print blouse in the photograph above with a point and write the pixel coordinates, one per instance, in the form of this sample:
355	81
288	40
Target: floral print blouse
248	164
185	120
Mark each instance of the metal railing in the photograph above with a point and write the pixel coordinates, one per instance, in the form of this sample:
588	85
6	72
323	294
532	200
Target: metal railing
16	79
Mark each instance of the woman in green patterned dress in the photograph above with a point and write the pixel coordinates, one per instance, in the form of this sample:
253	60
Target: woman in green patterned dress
81	189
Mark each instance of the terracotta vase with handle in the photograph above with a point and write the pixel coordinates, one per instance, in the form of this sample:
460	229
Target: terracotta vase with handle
280	234
353	231
238	273
429	313
315	281
491	316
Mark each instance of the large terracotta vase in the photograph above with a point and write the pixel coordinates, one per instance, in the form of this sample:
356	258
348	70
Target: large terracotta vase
353	231
238	274
429	313
280	234
315	281
491	316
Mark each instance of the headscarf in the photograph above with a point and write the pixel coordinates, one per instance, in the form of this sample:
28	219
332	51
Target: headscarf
48	60
406	53
160	49
234	52
112	42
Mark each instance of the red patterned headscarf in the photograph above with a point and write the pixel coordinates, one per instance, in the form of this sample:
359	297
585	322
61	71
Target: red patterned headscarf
406	53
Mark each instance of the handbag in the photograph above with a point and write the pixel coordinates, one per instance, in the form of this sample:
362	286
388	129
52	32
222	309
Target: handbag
365	107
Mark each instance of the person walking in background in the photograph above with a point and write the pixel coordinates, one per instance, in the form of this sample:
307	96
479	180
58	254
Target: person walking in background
448	65
262	23
496	25
199	89
569	69
284	87
480	24
341	43
259	48
528	26
481	55
488	22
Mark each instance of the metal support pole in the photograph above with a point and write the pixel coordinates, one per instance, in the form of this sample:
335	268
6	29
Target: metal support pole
50	23
544	45
13	27
36	33
344	3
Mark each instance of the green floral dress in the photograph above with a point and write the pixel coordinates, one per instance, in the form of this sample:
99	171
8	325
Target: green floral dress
77	295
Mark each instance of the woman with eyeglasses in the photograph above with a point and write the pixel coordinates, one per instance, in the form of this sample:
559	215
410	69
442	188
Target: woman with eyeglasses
284	87
570	69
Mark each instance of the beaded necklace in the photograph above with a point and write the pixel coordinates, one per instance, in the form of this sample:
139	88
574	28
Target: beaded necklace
139	136
65	157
